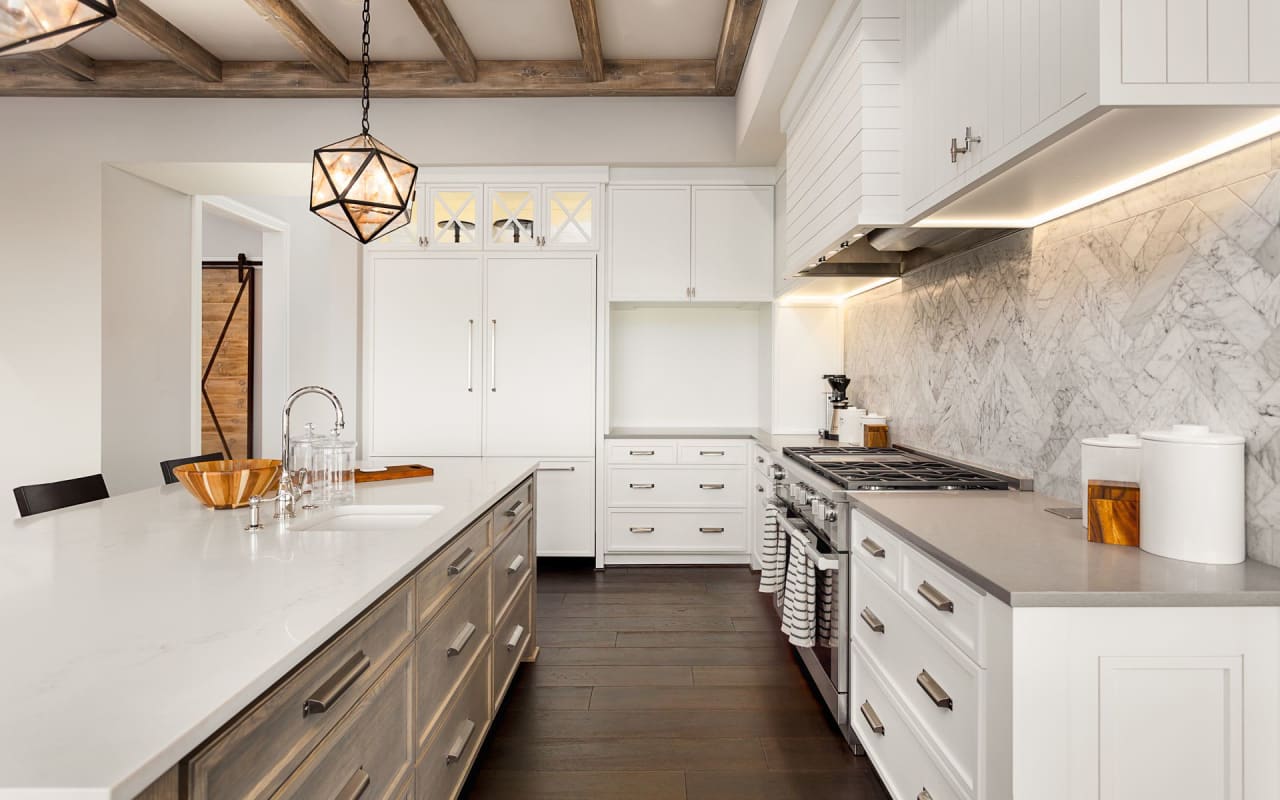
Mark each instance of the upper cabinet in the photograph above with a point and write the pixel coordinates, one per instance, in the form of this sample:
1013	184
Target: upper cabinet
732	243
649	241
453	221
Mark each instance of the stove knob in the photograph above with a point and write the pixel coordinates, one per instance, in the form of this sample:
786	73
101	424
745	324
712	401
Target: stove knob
779	474
829	512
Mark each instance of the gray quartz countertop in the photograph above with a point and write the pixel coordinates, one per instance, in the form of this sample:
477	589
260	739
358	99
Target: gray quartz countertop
1007	544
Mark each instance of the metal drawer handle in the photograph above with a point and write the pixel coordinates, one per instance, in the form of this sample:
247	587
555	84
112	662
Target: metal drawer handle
460	743
936	598
924	795
872	718
939	697
516	636
711	530
355	787
759	488
710	452
759	459
641	530
640	485
460	563
331	690
460	641
642	452
515	565
873	622
873	548
557	469
711	486
515	509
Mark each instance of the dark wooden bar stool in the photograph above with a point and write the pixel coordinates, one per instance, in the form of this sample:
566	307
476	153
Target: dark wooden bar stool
166	467
41	497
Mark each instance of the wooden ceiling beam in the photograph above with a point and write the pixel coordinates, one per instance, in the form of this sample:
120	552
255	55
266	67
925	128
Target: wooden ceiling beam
439	23
30	77
138	18
70	62
302	33
740	20
588	26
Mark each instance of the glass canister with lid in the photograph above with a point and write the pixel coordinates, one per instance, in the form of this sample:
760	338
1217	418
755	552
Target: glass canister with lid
336	469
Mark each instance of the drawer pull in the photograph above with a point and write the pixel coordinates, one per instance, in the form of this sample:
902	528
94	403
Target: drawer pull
640	485
872	718
711	530
516	636
557	469
936	598
711	486
460	743
642	452
355	787
759	459
332	689
871	547
460	563
460	641
759	488
641	530
873	622
516	564
515	509
924	795
940	698
710	452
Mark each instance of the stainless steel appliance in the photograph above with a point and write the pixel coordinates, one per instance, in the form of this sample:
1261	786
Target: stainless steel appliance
817	486
837	400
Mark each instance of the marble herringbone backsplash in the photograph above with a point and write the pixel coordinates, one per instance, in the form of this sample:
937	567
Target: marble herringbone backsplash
1156	307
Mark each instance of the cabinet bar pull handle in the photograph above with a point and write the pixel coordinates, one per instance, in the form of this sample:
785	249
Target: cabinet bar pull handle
640	485
332	689
871	547
711	486
641	530
641	452
516	564
515	509
710	452
460	742
873	622
872	718
936	598
354	787
493	357
460	641
759	459
471	355
557	469
460	563
940	698
516	636
924	795
711	530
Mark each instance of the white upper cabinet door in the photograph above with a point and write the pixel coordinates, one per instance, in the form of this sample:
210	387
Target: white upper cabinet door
572	217
424	334
649	243
453	218
733	243
540	333
512	217
567	508
408	237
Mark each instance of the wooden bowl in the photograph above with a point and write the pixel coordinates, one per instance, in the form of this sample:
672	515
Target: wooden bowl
229	484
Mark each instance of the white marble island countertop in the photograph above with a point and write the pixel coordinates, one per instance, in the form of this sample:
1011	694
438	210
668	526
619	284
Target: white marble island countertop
135	627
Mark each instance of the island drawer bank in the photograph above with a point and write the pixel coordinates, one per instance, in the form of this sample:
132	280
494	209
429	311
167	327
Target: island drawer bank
397	703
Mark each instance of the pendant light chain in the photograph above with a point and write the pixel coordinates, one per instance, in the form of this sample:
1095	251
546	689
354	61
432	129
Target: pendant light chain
364	63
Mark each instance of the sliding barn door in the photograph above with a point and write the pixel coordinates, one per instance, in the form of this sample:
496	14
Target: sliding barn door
226	385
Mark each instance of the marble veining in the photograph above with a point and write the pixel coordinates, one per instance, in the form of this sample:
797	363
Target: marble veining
1158	306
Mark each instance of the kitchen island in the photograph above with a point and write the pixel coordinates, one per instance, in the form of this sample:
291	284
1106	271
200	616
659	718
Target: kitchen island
138	627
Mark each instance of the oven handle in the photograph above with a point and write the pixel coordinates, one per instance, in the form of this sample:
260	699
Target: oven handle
820	560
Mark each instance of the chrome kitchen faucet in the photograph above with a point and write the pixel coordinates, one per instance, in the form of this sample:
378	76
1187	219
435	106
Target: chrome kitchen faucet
290	480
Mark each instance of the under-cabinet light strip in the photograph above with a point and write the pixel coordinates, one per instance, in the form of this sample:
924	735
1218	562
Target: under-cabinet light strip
832	299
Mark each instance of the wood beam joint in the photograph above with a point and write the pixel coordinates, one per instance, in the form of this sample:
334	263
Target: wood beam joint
139	19
439	23
740	20
70	62
588	26
302	33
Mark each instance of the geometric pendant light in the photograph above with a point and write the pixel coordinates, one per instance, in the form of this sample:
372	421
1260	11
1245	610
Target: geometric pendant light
27	26
360	185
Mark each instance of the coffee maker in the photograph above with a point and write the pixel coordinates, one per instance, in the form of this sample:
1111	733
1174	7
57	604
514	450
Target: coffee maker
836	400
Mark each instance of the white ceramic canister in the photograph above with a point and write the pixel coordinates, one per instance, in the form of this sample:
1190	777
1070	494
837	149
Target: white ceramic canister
851	425
1115	457
1193	495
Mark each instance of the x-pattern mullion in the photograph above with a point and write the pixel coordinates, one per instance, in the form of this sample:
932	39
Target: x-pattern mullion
571	217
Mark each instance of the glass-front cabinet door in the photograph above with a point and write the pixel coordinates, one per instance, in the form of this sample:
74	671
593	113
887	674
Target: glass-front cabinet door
453	218
407	237
572	221
513	220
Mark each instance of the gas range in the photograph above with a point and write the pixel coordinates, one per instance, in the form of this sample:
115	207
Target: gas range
875	469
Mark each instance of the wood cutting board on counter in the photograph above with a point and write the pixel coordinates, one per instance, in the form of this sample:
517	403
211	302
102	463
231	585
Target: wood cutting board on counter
395	473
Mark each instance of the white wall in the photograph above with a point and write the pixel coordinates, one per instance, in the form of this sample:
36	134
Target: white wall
223	238
807	344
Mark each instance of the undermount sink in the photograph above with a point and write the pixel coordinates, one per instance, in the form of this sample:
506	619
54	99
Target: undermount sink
366	518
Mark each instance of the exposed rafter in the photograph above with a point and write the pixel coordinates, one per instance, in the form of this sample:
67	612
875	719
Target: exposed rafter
439	23
297	27
70	62
138	18
740	20
584	19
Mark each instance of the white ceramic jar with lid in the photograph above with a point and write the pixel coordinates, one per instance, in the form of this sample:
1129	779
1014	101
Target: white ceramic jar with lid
1193	495
1115	457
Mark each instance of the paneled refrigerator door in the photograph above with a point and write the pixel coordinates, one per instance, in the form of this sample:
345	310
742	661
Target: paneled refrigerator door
425	334
539	328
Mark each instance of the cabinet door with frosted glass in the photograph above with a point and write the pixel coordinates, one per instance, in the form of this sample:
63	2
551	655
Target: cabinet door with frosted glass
512	217
453	218
572	217
408	237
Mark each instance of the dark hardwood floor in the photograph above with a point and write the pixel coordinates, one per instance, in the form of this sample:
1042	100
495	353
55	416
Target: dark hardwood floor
663	683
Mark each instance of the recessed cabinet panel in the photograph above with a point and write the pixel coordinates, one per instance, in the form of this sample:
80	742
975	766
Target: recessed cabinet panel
566	508
512	222
571	217
454	218
733	243
650	243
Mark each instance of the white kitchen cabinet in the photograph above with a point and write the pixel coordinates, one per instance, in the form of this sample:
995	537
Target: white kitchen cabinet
649	243
733	243
409	237
571	217
566	508
513	217
453	220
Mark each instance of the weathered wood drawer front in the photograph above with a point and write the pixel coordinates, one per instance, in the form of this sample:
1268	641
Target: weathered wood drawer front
713	453
448	569
449	645
371	748
456	739
511	509
254	756
512	563
511	639
642	453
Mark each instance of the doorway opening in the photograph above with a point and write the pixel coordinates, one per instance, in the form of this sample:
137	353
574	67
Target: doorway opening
228	345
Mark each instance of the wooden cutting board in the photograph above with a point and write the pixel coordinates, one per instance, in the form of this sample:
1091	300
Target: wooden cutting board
395	473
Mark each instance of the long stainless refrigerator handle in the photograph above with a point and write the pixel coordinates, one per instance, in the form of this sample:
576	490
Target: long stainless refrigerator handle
493	357
471	355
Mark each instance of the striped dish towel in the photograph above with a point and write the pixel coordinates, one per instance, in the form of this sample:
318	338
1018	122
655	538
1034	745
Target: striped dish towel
828	620
799	617
773	554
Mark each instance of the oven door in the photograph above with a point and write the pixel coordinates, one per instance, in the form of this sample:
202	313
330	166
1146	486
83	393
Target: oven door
827	659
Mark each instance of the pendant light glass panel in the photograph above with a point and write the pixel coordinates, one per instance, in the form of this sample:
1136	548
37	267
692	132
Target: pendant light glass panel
27	26
362	187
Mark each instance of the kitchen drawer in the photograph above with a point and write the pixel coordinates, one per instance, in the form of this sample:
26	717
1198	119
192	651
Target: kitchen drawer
949	604
677	531
447	648
877	548
700	487
370	748
511	565
911	654
444	765
712	453
622	452
762	463
254	756
902	761
512	509
511	641
448	569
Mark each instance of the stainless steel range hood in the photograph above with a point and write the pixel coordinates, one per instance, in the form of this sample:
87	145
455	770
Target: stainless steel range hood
893	252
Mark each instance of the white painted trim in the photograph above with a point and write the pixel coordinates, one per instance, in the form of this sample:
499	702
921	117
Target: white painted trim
682	559
506	175
732	176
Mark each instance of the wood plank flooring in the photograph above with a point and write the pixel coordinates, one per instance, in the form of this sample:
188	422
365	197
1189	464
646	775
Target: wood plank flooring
663	683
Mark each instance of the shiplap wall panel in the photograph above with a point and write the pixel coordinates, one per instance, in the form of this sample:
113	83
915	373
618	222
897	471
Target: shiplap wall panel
1197	42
